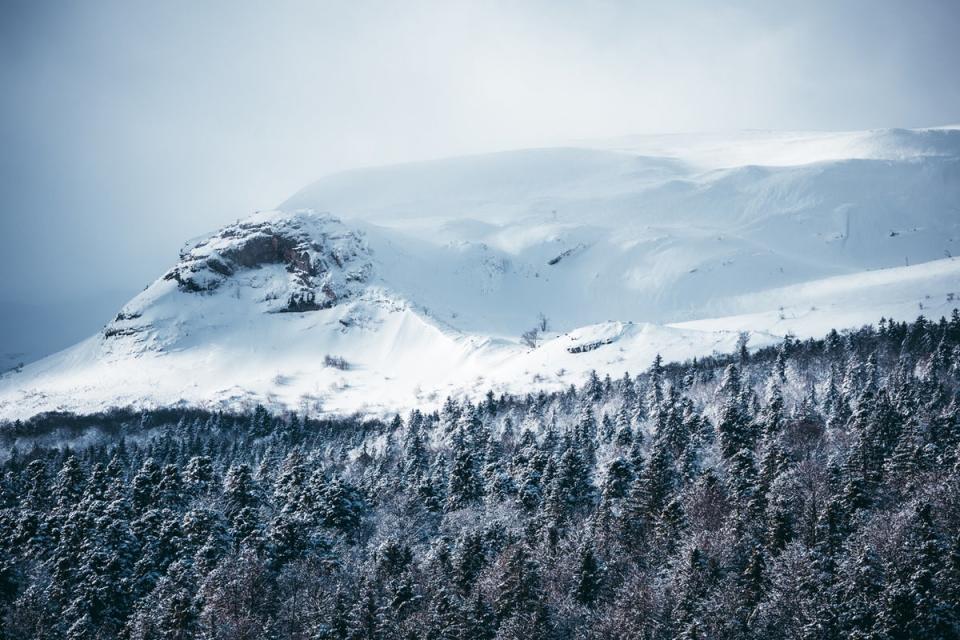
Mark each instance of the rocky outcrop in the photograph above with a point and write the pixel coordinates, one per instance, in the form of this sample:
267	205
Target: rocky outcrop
589	346
324	259
281	262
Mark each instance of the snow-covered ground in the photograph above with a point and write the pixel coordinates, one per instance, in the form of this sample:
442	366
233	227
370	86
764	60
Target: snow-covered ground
429	273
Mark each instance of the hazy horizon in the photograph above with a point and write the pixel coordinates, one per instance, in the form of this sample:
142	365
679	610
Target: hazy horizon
131	126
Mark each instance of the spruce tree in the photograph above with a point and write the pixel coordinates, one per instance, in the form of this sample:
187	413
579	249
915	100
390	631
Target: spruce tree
588	578
465	485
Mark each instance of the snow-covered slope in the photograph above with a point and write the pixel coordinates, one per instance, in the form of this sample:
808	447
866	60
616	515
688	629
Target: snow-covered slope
422	277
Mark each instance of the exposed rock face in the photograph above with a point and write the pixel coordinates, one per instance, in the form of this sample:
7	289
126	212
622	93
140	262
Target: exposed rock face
323	263
325	260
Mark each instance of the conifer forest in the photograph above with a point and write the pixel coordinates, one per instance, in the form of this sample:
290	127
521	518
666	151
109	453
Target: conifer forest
808	490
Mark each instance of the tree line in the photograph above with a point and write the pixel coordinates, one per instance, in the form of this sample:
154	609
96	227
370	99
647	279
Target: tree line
807	490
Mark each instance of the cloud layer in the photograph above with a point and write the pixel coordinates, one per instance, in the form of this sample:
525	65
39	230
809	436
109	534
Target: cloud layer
128	126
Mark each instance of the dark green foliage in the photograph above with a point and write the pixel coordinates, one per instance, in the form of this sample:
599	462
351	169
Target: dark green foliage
588	579
807	490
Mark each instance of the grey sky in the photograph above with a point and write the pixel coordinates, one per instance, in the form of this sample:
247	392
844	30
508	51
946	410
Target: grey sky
128	126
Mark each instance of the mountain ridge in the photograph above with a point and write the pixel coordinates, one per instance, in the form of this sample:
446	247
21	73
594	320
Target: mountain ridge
421	279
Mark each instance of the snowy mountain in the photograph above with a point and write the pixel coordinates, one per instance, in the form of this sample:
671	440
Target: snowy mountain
373	289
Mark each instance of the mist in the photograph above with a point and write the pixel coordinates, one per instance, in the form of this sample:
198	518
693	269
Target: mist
128	127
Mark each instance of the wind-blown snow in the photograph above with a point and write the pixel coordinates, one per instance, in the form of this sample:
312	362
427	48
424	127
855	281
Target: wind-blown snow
430	272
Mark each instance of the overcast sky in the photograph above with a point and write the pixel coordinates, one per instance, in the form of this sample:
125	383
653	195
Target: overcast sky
128	126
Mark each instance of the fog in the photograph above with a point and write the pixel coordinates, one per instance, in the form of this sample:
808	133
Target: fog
128	127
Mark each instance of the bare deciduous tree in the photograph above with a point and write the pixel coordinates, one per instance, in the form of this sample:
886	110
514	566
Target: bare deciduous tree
530	337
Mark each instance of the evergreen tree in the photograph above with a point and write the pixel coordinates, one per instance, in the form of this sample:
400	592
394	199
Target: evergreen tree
342	506
145	485
930	614
518	591
479	621
365	620
465	486
861	588
239	490
733	426
656	384
617	480
588	579
468	561
199	475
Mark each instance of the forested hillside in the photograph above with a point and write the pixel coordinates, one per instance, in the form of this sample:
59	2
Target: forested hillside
810	490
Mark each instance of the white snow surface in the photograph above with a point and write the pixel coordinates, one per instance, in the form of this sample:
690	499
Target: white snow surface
423	276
